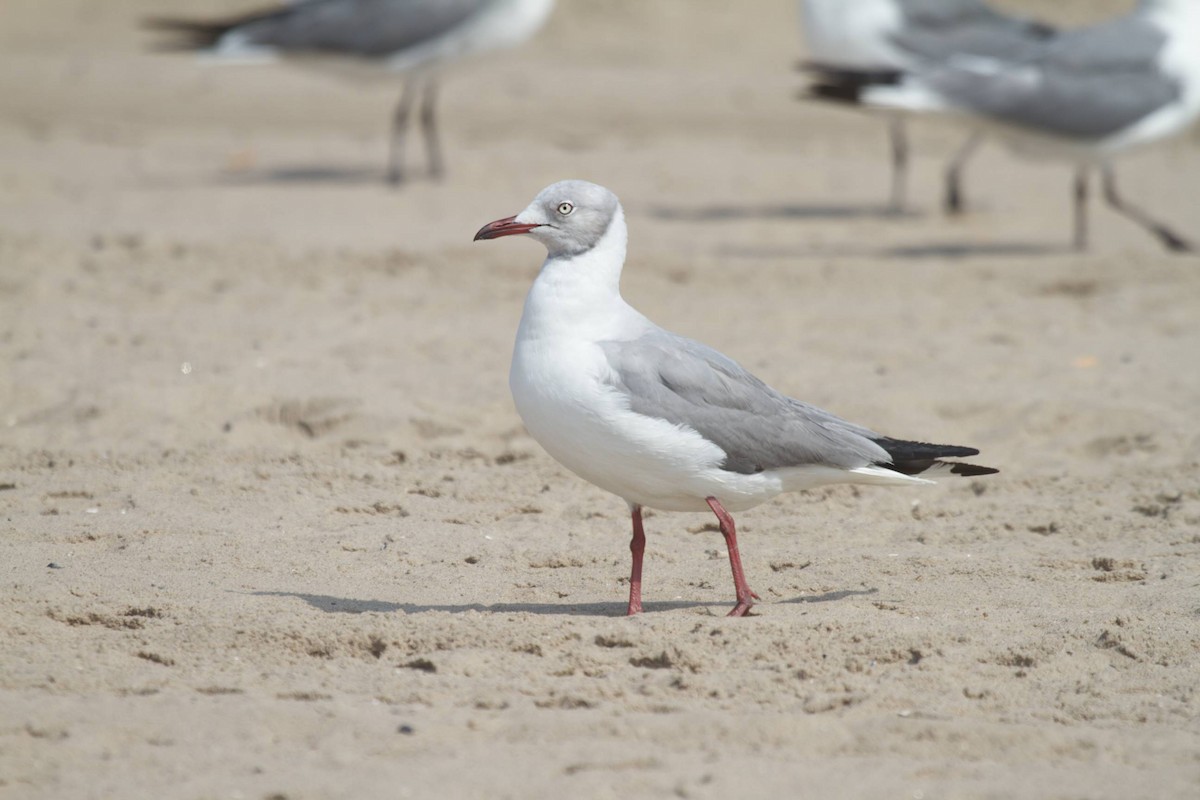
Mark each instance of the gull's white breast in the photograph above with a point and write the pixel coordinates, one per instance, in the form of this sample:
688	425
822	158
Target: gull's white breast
582	421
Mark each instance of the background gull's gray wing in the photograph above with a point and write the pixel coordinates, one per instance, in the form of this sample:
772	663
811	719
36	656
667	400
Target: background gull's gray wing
362	27
1086	83
686	383
936	31
366	28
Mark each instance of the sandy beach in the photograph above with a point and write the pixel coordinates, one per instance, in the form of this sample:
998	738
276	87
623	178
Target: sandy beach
273	530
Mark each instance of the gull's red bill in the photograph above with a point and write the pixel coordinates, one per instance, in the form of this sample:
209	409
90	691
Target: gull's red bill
504	227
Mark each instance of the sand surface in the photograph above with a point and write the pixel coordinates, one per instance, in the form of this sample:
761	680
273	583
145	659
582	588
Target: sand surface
271	528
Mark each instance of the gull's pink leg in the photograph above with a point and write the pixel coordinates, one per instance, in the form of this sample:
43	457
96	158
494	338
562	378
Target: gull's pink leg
637	546
740	586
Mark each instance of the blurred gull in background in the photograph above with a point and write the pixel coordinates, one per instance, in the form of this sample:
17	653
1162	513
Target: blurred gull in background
856	41
1083	96
415	37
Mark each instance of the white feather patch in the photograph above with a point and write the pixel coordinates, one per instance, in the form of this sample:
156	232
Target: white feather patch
884	477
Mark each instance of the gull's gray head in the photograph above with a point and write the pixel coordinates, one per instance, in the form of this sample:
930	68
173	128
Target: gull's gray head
568	217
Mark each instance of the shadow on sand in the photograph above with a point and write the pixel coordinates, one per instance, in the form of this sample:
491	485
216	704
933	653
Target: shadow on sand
830	597
970	249
305	174
947	250
344	605
732	213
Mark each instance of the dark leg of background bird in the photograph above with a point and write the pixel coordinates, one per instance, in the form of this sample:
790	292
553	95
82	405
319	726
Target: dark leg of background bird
395	173
954	195
745	597
637	546
433	146
1169	238
1081	220
899	139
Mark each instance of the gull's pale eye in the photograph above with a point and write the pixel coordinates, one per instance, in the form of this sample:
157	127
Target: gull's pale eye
565	208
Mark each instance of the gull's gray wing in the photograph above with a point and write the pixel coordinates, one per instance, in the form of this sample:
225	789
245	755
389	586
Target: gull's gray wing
364	28
358	27
935	30
686	383
1087	83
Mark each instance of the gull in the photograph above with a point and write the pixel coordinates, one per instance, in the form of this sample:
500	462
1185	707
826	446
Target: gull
369	38
658	419
1083	97
852	41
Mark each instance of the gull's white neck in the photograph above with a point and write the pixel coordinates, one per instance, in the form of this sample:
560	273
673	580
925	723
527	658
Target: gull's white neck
1172	15
1169	6
579	296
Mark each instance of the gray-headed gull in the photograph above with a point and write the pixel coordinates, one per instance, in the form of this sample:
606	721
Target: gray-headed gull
658	419
1083	96
855	40
415	37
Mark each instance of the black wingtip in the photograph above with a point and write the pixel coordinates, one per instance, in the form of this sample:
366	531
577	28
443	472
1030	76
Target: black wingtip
833	92
189	34
971	470
903	450
831	73
913	458
842	85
